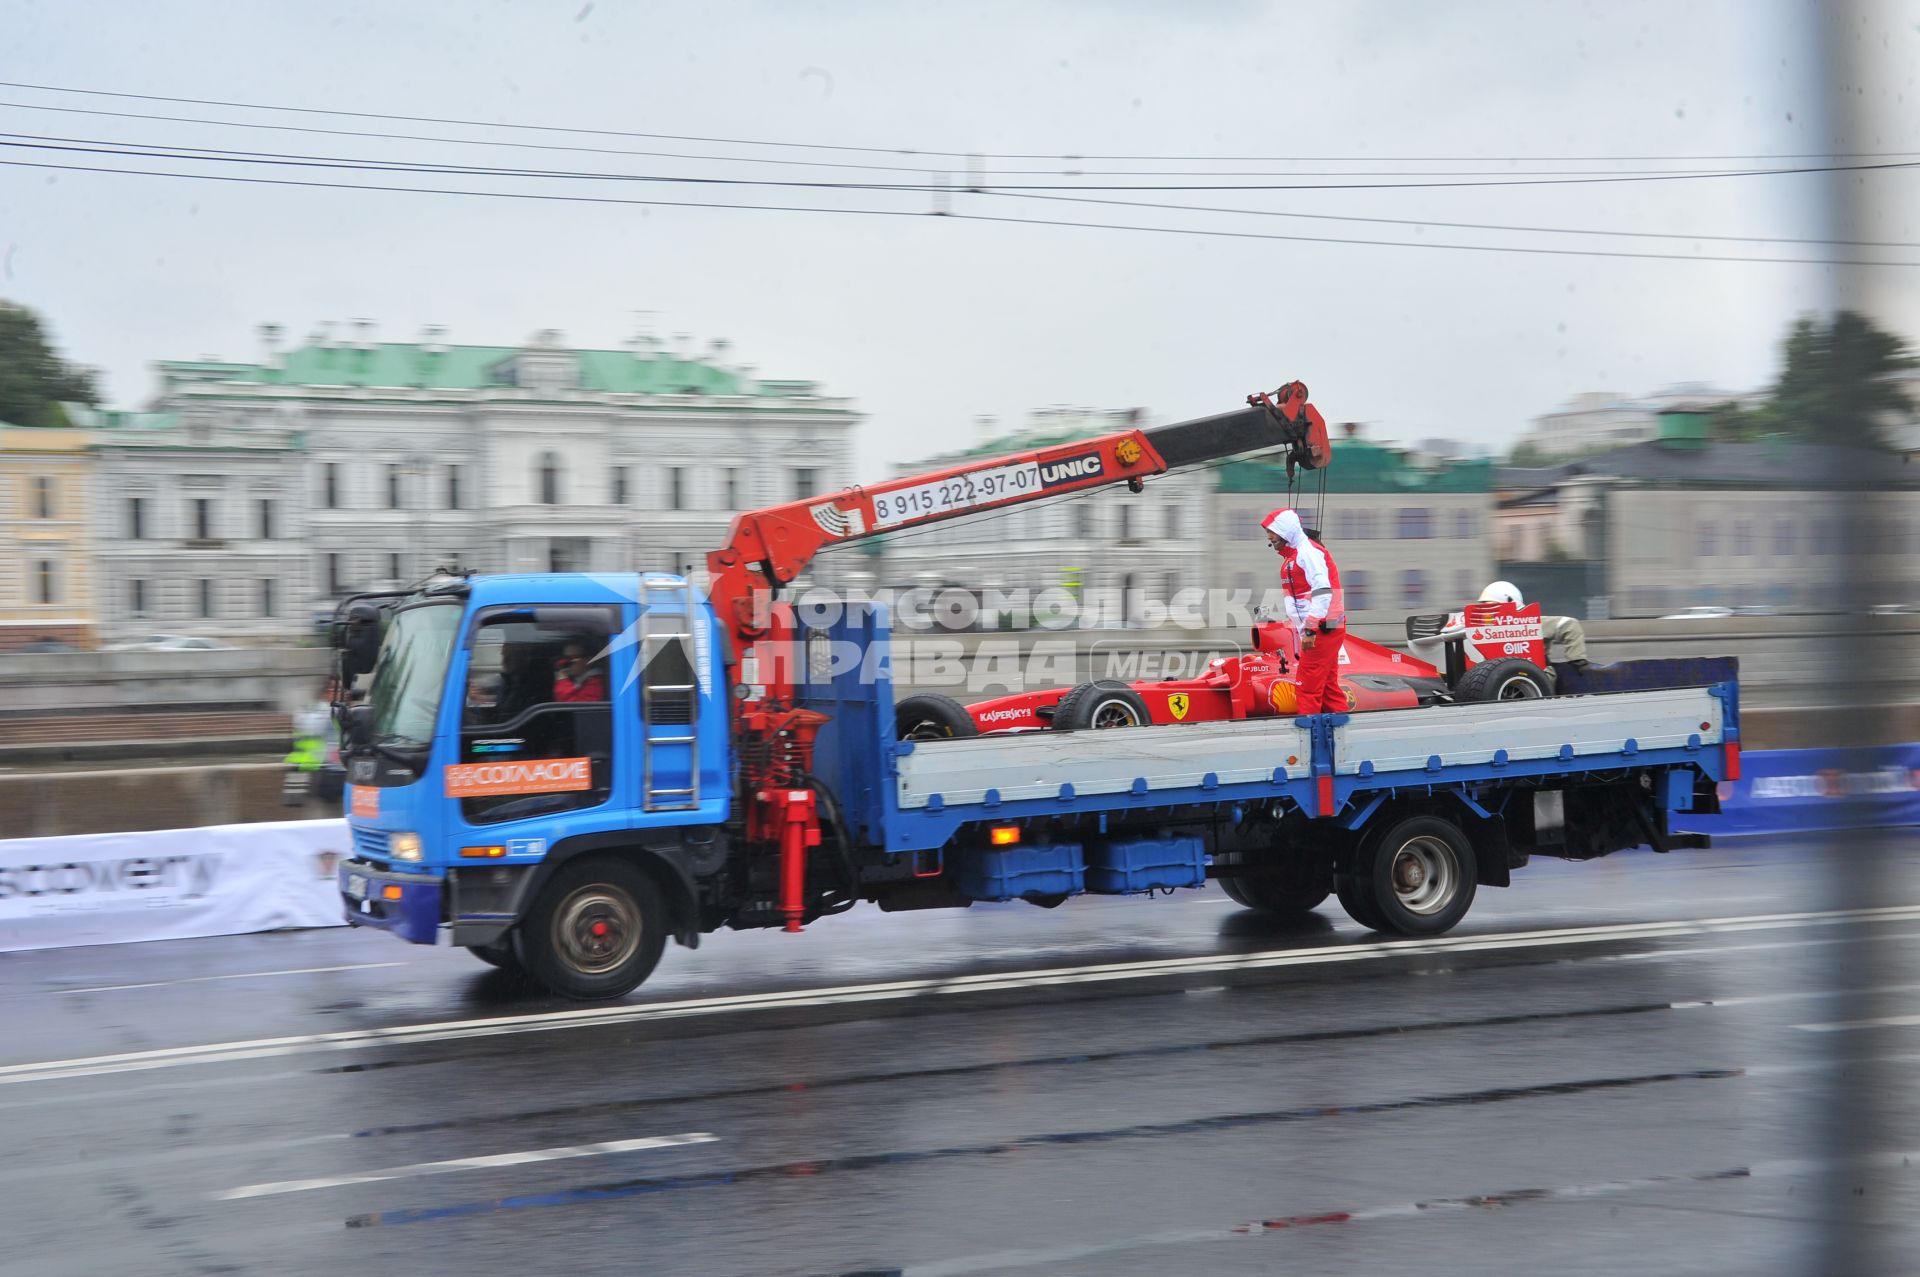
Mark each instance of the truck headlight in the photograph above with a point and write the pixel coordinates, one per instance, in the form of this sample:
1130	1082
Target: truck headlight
404	846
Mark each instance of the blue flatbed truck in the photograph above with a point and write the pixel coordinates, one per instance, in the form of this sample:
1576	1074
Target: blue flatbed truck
559	772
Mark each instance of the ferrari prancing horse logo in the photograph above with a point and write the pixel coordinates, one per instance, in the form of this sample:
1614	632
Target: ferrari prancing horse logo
1178	703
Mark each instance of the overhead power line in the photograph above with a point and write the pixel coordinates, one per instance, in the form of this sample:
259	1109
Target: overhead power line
973	167
1214	233
936	152
285	159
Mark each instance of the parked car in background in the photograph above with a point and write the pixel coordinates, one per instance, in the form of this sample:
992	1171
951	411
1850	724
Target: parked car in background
1699	614
170	643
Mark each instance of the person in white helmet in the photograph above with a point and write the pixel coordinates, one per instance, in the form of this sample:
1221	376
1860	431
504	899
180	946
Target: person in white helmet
1562	631
1316	608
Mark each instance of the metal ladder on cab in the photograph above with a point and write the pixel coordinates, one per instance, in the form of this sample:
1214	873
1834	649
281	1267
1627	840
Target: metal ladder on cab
659	630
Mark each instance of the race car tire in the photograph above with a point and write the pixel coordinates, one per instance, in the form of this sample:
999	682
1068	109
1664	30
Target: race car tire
929	716
1416	875
1100	705
1511	679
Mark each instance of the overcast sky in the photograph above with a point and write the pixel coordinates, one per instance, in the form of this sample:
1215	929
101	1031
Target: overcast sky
929	322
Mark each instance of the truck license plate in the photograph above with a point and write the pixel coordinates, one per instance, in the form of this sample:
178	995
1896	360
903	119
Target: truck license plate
357	886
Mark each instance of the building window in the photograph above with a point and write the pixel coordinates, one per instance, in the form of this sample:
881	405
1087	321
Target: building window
393	486
267	530
733	488
1173	523
137	597
136	518
1743	539
202	519
677	488
1126	523
1706	540
266	596
1082	521
1823	538
1783	539
1356	585
549	478
618	495
806	482
206	598
42	496
330	485
1242	525
393	566
1414	523
453	487
46	582
333	575
1413	587
1462	525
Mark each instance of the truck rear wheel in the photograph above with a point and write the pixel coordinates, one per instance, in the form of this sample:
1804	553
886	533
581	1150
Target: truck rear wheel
1357	902
1299	886
1100	705
595	931
930	716
1417	877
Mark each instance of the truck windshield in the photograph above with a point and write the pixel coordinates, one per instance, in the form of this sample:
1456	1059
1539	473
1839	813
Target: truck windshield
412	670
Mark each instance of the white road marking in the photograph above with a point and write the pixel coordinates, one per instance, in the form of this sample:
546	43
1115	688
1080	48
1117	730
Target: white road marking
1844	1026
238	975
903	990
457	1164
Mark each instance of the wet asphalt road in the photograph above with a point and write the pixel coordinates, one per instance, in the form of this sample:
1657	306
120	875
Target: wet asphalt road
1587	1077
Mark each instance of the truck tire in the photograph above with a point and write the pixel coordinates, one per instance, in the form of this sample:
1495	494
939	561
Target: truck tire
1511	679
1100	705
1299	888
1357	902
1417	876
596	930
932	717
500	953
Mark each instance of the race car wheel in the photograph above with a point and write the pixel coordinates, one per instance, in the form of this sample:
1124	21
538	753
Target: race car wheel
1511	679
932	717
1100	705
1416	876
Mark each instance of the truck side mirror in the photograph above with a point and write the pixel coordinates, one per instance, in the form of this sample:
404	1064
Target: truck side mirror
359	720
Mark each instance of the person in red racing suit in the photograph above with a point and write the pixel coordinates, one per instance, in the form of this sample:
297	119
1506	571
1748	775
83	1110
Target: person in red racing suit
1315	608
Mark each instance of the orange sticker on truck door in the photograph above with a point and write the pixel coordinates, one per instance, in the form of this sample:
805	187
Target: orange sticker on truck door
366	802
525	776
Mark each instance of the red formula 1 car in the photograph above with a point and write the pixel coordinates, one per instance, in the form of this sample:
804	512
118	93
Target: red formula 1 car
1487	651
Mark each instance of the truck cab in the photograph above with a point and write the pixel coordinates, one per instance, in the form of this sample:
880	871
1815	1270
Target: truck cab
500	736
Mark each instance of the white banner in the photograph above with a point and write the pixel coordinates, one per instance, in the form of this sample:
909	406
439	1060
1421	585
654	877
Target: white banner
169	884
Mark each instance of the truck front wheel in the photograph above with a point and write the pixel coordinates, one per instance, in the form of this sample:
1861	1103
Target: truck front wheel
595	931
1416	877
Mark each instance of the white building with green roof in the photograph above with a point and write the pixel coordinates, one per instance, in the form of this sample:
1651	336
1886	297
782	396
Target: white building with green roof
400	456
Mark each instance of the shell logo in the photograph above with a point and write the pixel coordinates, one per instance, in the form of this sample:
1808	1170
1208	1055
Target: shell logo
1128	451
1283	697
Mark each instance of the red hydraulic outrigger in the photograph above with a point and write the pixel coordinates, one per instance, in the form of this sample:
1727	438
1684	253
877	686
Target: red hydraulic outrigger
766	549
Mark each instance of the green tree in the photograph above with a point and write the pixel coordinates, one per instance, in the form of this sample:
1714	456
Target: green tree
34	380
1837	385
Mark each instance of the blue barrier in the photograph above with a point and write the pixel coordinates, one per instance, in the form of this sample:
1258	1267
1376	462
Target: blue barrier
1802	790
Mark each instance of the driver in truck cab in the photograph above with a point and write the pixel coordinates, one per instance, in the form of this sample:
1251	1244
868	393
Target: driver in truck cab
1315	607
